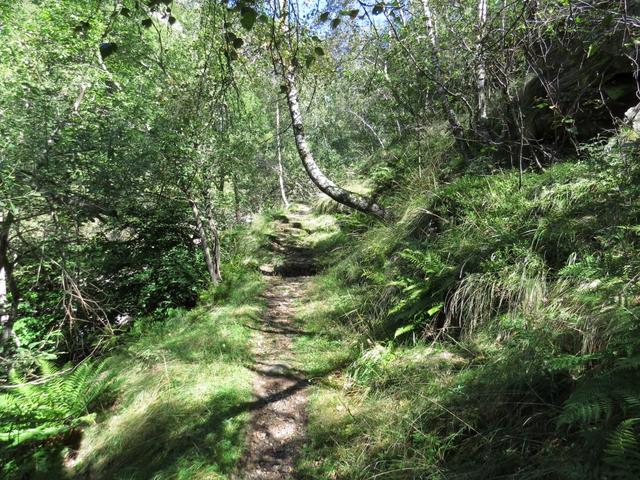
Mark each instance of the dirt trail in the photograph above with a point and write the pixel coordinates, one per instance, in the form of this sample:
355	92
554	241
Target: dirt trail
276	430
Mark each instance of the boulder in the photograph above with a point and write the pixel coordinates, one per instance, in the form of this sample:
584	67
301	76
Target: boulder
584	83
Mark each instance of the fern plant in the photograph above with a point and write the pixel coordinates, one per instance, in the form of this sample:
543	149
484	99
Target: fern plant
420	293
40	409
606	408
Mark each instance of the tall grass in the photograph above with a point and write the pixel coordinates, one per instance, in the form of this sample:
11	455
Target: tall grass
170	400
497	324
184	395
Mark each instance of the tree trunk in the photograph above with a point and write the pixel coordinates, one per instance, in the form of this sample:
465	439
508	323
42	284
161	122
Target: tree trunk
481	71
8	312
326	185
4	316
283	192
454	123
204	242
221	180
236	198
339	194
215	239
368	125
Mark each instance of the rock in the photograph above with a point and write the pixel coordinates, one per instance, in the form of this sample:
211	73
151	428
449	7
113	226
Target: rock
632	116
297	267
267	269
585	82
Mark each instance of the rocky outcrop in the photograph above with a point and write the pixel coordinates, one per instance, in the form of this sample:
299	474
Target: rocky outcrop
583	76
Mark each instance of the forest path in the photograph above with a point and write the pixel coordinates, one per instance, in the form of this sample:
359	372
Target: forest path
277	426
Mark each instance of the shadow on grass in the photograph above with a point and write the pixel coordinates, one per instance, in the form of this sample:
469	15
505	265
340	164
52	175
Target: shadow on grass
184	437
159	445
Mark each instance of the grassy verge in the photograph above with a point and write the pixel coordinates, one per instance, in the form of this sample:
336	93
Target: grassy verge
170	401
490	333
182	384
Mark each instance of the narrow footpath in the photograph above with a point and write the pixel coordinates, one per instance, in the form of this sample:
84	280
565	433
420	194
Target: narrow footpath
277	426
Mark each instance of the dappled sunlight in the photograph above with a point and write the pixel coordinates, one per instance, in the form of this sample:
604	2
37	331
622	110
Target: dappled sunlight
177	415
344	240
156	432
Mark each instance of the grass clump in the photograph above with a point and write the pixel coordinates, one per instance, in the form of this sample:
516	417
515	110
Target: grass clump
47	406
170	400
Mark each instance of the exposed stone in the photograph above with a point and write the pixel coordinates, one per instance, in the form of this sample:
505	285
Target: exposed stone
267	269
632	116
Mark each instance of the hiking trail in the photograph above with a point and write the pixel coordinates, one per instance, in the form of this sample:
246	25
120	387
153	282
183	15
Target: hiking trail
277	426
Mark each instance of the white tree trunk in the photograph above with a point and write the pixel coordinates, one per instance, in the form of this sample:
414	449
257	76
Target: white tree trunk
481	72
204	242
4	306
215	239
8	310
236	198
432	34
326	185
339	194
283	192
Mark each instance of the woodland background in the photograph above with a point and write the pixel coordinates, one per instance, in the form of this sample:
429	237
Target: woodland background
477	237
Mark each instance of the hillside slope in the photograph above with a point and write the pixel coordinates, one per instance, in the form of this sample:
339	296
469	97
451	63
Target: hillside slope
492	332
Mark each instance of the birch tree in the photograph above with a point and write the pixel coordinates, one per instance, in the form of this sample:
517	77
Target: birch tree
283	192
435	53
287	65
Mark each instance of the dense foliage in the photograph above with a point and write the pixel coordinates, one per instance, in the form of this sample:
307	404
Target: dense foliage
480	287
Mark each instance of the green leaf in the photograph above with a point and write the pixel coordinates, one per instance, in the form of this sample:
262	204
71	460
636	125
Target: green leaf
147	23
616	92
308	60
402	330
237	42
107	49
378	8
353	13
248	17
324	17
335	22
319	51
435	309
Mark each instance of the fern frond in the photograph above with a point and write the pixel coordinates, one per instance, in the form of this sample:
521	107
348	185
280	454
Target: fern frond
51	406
628	363
622	453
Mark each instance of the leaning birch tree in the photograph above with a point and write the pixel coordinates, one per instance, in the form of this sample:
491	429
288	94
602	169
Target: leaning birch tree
287	64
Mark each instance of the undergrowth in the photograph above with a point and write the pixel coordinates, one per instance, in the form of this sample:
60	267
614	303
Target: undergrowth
170	400
494	329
